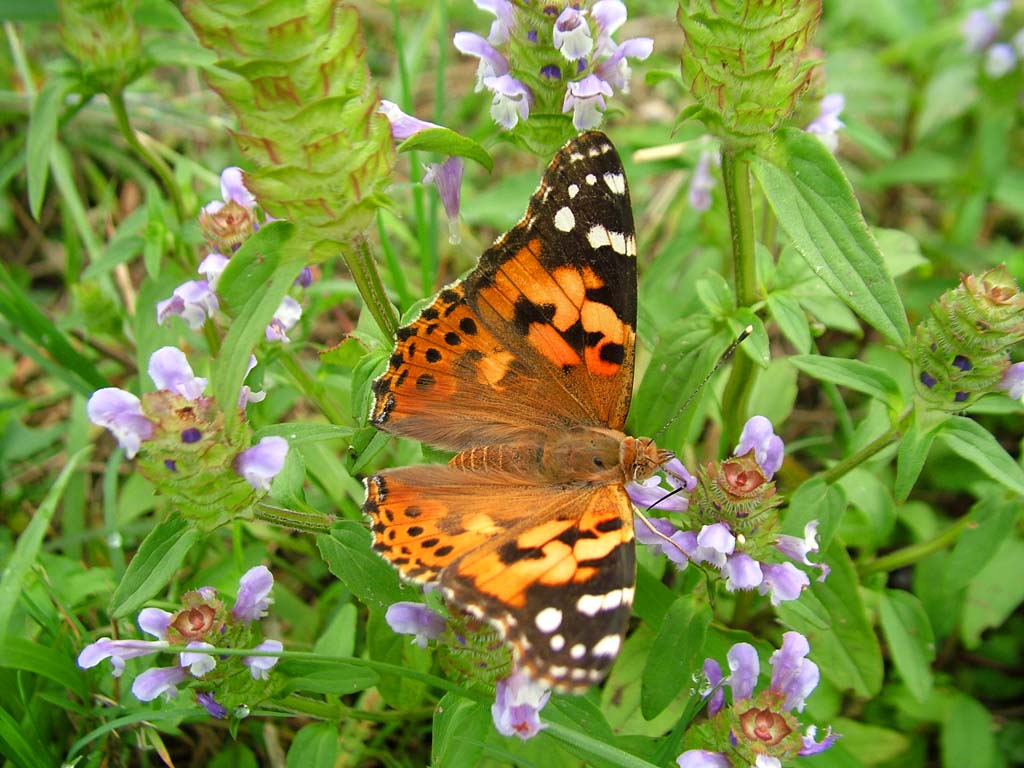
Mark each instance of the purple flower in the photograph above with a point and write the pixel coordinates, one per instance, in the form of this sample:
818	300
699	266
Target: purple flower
571	34
586	98
615	69
1013	381
650	494
981	27
232	189
193	301
253	599
679	546
798	548
785	582
767	761
1000	59
285	317
211	268
121	413
304	278
213	706
827	123
407	618
502	25
768	448
492	63
246	395
793	675
260	666
447	177
402	125
260	464
741	571
701	183
198	663
169	370
511	101
713	676
117	651
744	667
517	706
812	747
157	681
714	543
609	16
702	758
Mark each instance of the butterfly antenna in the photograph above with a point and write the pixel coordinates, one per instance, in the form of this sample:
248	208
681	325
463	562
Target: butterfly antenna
650	526
697	390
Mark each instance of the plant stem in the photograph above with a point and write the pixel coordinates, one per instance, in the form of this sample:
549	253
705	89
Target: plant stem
312	388
289	518
901	558
835	472
360	264
155	163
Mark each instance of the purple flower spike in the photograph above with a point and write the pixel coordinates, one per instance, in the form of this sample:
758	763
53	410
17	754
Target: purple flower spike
768	448
211	268
121	413
117	651
812	747
517	706
260	464
232	188
260	666
702	758
785	582
169	370
253	599
214	707
615	70
285	317
713	675
157	681
402	125
741	571
798	548
447	177
1000	60
794	675
193	301
492	63
981	27
586	98
714	543
502	25
198	663
407	618
511	100
745	667
609	15
1013	381
701	183
304	278
571	35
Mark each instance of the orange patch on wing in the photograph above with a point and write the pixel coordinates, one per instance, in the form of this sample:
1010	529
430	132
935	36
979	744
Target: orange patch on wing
540	535
546	340
594	549
598	366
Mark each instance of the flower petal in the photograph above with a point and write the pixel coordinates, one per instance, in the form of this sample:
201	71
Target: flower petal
260	464
253	599
406	618
745	668
169	370
121	413
157	681
517	706
260	666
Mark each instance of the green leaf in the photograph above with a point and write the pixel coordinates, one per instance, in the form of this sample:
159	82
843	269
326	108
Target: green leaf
854	374
447	142
15	575
994	593
967	736
298	432
21	746
990	522
900	249
915	445
976	444
791	319
159	557
44	660
675	655
814	203
594	751
461	726
41	135
818	500
582	716
349	556
909	636
316	745
338	677
837	627
870	744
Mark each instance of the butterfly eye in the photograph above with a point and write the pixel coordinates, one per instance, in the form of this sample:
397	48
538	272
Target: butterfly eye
598	463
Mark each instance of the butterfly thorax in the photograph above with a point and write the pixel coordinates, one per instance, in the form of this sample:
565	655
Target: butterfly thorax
585	456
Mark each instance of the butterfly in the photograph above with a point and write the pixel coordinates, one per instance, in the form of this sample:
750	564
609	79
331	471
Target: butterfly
525	369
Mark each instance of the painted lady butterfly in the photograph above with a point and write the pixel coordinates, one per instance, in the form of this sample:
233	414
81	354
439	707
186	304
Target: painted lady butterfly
525	368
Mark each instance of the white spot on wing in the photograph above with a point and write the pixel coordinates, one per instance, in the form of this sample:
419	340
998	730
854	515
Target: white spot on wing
578	651
591	179
630	245
616	183
548	620
618	242
627	595
574	190
557	671
578	674
557	643
589	605
564	219
607	646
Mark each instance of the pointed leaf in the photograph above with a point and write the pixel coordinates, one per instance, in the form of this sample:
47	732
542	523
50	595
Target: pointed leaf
41	135
854	374
675	655
908	633
159	557
447	142
976	444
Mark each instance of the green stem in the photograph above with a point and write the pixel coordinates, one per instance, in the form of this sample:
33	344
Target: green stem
835	472
311	388
902	558
736	178
336	711
155	163
311	522
364	273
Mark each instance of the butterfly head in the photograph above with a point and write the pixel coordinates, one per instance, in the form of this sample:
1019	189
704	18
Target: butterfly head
641	458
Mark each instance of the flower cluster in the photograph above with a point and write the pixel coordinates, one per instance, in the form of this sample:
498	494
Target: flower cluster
202	626
983	32
758	730
552	59
179	431
729	526
827	124
226	224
